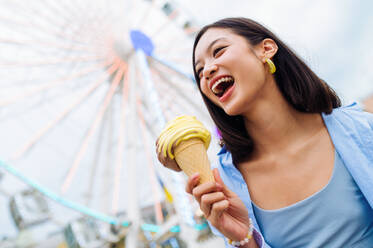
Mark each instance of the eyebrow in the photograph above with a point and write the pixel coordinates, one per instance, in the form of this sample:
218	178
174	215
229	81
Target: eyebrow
209	47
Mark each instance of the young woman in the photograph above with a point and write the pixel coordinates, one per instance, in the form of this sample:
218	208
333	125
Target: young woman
295	165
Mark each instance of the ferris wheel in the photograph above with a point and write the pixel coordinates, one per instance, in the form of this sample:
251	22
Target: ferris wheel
85	88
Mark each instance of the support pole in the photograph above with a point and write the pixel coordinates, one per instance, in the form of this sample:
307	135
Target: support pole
133	210
182	203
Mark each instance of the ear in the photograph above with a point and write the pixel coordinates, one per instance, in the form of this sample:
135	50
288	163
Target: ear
268	48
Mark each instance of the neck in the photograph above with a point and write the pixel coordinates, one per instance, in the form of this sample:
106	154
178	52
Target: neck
276	127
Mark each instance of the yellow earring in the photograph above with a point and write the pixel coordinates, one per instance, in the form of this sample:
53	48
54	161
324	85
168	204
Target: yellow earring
272	67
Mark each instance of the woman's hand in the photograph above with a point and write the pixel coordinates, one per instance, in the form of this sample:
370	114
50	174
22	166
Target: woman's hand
166	161
221	206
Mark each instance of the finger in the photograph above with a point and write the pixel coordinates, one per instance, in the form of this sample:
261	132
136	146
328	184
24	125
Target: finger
192	183
219	181
204	188
207	200
167	162
159	157
174	165
171	164
217	210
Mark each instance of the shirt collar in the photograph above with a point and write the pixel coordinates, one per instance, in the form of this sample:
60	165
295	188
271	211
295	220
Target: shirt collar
222	150
225	158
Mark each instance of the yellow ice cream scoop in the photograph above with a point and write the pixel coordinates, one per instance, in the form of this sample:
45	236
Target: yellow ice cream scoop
180	129
186	140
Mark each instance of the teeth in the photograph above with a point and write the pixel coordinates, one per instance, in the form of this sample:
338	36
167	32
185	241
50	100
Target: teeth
216	84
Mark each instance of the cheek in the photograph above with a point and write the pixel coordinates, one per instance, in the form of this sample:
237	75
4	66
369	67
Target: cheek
207	92
204	88
251	73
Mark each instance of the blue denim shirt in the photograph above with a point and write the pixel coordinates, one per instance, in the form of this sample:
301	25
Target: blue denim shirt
351	131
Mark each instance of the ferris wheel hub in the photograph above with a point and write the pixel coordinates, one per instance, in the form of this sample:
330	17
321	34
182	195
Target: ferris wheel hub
142	41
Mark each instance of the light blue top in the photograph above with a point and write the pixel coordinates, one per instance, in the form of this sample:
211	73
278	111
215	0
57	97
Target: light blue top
351	131
321	220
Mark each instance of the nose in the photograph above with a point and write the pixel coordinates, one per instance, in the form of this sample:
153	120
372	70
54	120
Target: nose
209	71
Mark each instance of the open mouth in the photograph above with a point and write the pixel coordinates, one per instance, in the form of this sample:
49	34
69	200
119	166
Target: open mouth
222	85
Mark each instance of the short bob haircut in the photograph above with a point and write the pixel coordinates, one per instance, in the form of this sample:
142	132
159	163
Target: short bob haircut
299	85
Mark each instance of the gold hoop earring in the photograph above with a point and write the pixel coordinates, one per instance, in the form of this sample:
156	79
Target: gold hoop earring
272	67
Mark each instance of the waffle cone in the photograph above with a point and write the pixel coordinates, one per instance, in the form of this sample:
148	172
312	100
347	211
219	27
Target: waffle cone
191	156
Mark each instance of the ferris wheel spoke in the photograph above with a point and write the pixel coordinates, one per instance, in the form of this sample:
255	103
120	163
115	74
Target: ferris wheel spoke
152	174
70	7
71	28
41	132
175	42
30	25
75	14
34	28
176	45
173	67
92	129
14	113
57	10
178	89
55	61
75	9
37	13
49	85
96	21
163	26
150	123
120	147
166	105
132	6
42	46
172	107
147	12
95	163
171	104
150	106
175	53
107	173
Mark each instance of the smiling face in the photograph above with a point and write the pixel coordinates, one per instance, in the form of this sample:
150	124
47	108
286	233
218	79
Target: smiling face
232	73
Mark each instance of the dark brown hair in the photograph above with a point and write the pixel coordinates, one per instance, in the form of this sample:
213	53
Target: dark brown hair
299	85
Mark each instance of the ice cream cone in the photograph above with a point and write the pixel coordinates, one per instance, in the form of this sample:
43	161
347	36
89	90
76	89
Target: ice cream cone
191	156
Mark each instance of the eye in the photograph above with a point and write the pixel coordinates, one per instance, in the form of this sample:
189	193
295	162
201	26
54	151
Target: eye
199	71
217	50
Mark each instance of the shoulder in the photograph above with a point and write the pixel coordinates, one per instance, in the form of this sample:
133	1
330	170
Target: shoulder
351	116
351	125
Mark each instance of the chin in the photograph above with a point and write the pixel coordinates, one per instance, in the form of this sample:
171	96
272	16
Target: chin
232	111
